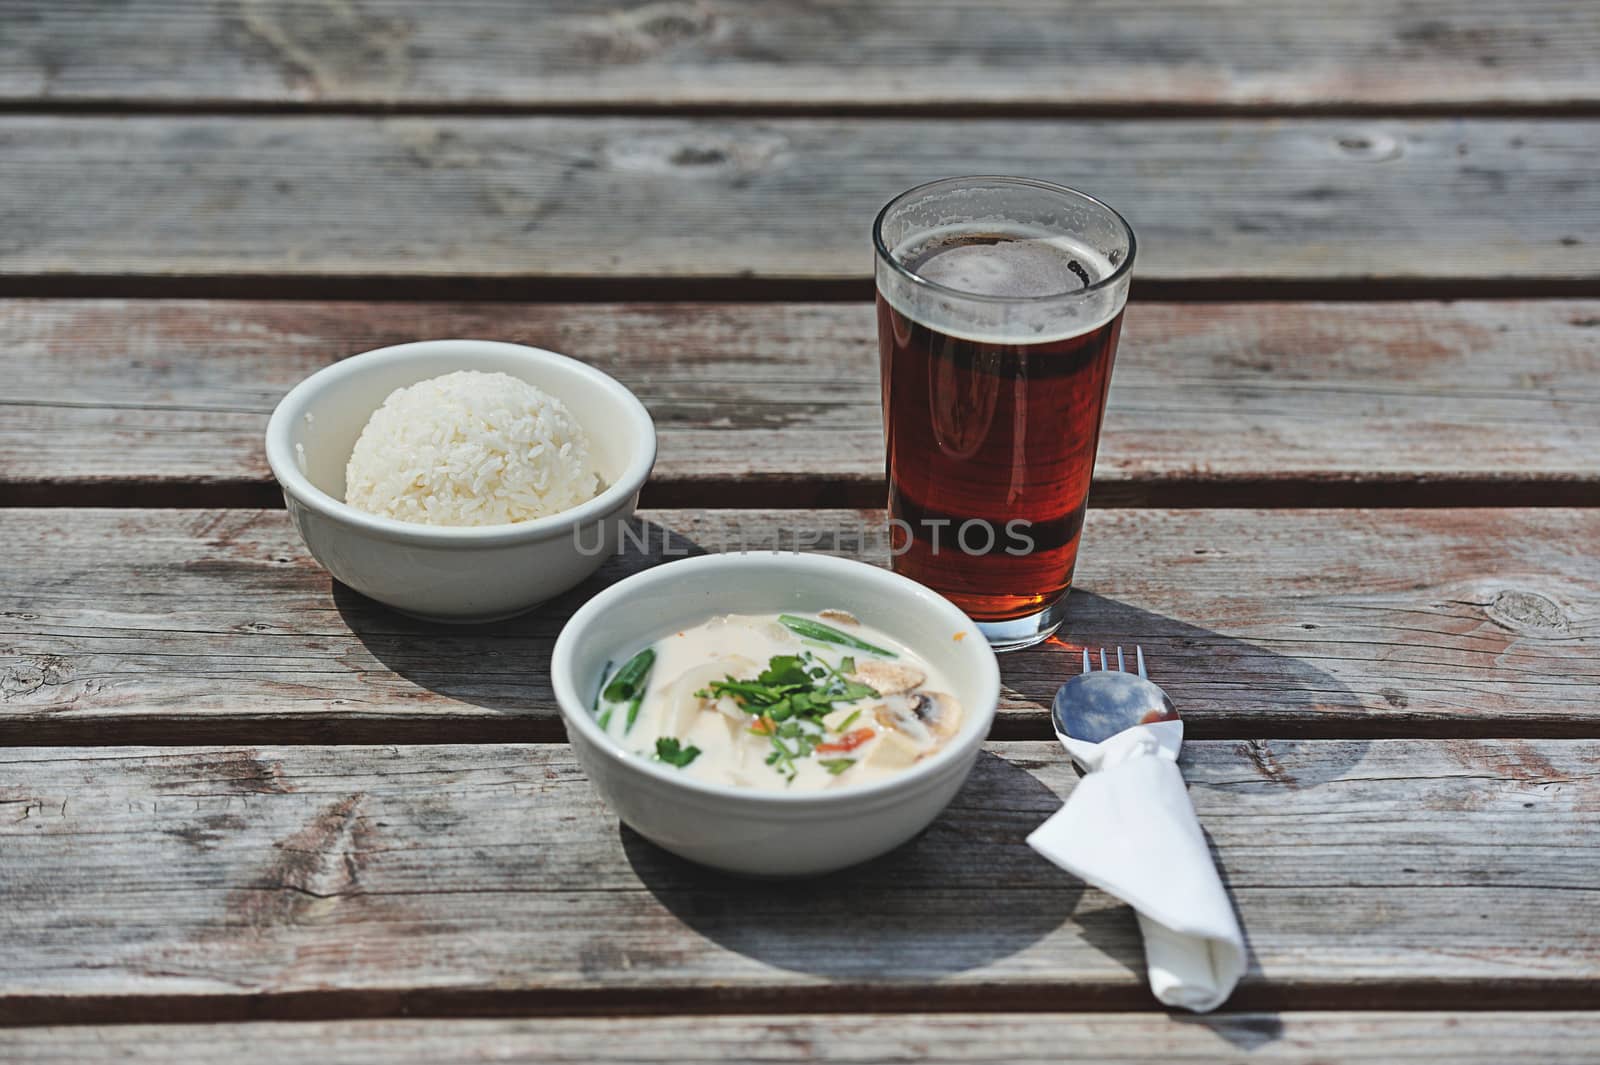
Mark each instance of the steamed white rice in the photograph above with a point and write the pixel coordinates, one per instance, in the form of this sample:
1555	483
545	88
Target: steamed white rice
471	448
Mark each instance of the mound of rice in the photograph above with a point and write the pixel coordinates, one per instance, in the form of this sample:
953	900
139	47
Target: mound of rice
470	448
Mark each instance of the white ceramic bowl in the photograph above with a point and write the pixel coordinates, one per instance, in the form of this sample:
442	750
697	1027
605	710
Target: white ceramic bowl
467	574
761	833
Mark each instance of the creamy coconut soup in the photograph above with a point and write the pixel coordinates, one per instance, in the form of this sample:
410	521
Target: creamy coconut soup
785	702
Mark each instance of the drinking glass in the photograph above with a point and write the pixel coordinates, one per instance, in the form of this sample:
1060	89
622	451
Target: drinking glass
1000	301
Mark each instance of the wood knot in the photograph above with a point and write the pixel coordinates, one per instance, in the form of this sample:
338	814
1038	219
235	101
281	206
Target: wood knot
1395	698
312	871
703	154
646	31
31	674
323	48
1528	613
689	156
1369	147
1266	763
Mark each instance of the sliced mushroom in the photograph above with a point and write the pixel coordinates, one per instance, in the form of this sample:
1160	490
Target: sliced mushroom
926	717
940	712
897	713
887	678
843	617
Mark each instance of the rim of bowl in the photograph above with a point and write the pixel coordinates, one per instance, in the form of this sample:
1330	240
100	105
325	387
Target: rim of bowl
575	711
280	453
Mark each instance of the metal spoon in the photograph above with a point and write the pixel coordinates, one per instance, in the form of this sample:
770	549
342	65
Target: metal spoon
1096	705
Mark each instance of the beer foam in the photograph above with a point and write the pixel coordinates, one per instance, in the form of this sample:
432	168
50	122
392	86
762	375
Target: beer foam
1004	267
1010	263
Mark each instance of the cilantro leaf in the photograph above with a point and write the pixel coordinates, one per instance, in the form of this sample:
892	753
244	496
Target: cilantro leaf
786	669
850	691
670	751
836	765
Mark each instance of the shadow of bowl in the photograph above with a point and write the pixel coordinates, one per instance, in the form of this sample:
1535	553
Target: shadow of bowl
927	904
503	665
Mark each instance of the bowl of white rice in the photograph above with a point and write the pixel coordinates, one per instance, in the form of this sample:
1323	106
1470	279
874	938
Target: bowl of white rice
460	480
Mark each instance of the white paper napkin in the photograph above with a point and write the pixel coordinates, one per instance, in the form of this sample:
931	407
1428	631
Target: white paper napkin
1129	829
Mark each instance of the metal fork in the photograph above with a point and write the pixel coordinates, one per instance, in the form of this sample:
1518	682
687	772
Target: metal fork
1121	666
1097	704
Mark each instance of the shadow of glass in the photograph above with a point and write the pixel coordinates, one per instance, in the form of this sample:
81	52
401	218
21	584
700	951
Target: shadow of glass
926	910
504	665
1239	681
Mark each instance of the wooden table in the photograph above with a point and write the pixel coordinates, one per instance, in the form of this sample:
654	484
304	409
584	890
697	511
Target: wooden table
1348	501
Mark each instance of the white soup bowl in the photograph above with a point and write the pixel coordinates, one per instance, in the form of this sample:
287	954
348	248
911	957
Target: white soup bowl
771	833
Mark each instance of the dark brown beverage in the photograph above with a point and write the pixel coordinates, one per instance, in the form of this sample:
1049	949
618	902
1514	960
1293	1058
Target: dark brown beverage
999	306
991	450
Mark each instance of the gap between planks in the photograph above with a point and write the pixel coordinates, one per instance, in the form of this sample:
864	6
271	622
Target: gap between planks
738	288
803	493
157	730
1127	111
1046	997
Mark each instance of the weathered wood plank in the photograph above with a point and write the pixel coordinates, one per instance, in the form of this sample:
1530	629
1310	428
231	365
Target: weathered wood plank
1551	1038
774	404
282	881
121	626
718	53
524	200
